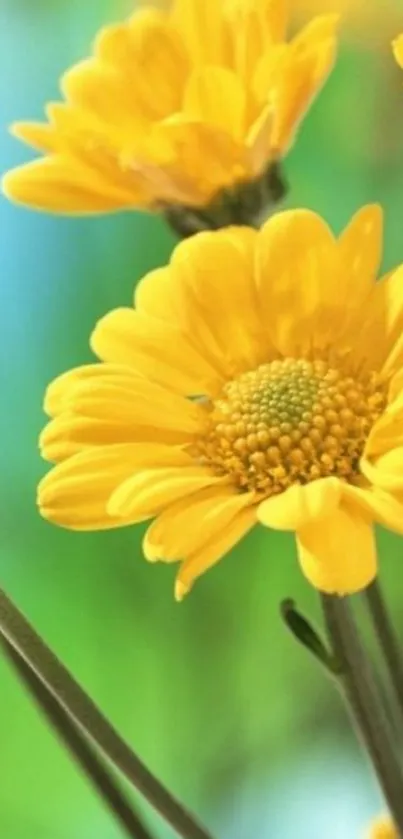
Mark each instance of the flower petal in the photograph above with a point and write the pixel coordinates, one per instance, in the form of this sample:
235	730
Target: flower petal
160	351
149	55
147	493
70	433
200	25
300	505
184	527
61	185
256	27
386	472
58	392
301	292
39	135
303	75
196	158
384	319
215	95
361	245
75	493
213	551
381	506
338	553
213	272
138	401
387	432
398	50
319	29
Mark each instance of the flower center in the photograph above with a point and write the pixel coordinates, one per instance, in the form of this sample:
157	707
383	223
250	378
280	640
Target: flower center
291	421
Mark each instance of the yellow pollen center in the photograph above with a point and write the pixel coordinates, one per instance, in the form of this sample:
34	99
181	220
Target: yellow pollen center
289	422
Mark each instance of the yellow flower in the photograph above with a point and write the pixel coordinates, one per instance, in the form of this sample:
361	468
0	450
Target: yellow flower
258	378
383	829
173	107
398	50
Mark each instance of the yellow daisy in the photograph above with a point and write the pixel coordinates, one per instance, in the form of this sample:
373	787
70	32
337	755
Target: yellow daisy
383	829
258	378
174	107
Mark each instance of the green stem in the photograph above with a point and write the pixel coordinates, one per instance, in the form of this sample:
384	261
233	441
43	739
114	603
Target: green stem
386	638
78	747
83	711
360	692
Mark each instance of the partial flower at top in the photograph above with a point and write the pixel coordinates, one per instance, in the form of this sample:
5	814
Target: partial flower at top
383	829
258	378
398	50
175	107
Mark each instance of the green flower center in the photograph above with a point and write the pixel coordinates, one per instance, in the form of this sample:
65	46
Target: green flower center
291	421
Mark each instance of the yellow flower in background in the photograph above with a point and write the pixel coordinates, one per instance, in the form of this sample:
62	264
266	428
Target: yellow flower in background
398	50
383	829
258	378
173	107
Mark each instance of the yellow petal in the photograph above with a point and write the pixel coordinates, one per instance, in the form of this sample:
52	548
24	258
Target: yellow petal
69	434
137	401
56	184
39	135
338	553
150	56
160	351
387	432
155	296
75	493
200	25
213	551
58	392
256	27
301	292
258	140
300	505
386	472
212	273
361	245
98	89
383	319
379	505
398	50
303	75
319	29
184	527
198	158
215	95
147	493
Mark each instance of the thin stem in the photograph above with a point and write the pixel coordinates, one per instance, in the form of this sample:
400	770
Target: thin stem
360	692
80	707
386	637
78	747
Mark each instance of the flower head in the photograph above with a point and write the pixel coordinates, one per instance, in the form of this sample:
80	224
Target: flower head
383	829
258	378
174	107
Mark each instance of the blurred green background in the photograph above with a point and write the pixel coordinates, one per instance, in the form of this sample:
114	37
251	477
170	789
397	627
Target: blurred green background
214	694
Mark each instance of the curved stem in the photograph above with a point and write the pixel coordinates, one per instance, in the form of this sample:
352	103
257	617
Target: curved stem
386	637
360	692
83	711
78	747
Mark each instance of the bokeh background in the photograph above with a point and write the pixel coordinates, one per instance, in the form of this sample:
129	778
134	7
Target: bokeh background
214	694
